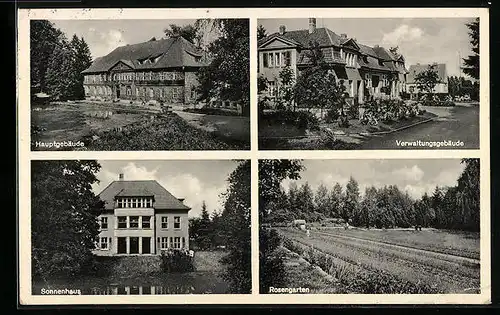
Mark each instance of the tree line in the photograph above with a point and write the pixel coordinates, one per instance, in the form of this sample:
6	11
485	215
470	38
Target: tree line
455	207
207	231
56	62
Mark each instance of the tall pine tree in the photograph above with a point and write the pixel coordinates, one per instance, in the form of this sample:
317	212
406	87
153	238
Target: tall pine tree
471	63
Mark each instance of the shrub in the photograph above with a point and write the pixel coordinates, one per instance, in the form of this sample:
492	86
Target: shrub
307	120
300	119
176	260
272	268
332	115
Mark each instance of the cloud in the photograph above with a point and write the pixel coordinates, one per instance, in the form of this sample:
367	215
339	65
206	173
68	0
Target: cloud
185	185
403	33
103	43
406	173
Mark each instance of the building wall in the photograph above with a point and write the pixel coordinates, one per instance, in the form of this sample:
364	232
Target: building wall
190	84
170	232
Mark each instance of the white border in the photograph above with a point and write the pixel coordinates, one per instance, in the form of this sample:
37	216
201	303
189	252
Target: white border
25	155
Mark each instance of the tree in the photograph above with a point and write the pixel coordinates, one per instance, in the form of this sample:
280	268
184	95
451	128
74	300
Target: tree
426	80
60	75
64	214
189	32
261	32
236	216
271	175
287	80
468	195
471	63
322	200
336	198
351	199
368	207
205	228
82	60
44	38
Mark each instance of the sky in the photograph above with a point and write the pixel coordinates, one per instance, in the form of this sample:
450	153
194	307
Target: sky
195	180
103	36
420	40
415	176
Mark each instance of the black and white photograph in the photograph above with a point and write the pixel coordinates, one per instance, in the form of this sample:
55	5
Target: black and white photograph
116	227
368	83
122	85
378	226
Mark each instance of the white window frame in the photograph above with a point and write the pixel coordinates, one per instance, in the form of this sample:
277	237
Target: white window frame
177	242
130	222
104	221
148	219
118	222
103	243
164	242
164	220
175	223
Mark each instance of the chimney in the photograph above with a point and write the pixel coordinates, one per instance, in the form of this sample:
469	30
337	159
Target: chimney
376	46
344	36
121	176
312	25
282	29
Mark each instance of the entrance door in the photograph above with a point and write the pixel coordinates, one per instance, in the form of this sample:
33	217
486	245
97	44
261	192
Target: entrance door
146	245
117	92
122	245
134	245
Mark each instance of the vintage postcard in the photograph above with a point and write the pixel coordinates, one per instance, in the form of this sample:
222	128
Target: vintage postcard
253	156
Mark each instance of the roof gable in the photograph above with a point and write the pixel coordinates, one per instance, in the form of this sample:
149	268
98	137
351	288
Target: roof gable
350	43
141	188
278	42
122	65
169	52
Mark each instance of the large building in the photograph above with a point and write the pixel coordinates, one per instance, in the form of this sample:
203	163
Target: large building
366	71
440	68
155	71
141	218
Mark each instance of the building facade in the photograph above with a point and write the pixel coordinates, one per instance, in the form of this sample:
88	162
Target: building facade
440	88
365	71
141	218
157	71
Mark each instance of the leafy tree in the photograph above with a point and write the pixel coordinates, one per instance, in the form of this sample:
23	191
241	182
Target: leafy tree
189	32
229	67
261	32
322	200
64	214
60	76
426	80
287	80
261	83
368	207
271	175
306	201
82	60
44	38
351	199
336	198
471	63
236	215
468	195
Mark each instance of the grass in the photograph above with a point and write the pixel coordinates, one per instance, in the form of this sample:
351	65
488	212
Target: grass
385	269
459	243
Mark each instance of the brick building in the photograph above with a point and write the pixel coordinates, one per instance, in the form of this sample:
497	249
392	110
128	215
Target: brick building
365	71
155	71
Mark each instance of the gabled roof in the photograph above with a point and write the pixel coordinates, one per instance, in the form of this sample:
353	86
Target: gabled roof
323	36
172	52
418	68
145	188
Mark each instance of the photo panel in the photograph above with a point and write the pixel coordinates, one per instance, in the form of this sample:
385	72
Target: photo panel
140	227
139	84
368	83
371	226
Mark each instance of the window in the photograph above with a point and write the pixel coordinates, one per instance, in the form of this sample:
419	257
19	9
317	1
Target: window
162	77
175	93
104	243
265	60
164	243
146	222
129	90
104	223
271	86
193	94
177	242
134	202
151	93
288	58
277	59
177	223
122	222
164	222
271	60
183	242
134	222
136	91
174	75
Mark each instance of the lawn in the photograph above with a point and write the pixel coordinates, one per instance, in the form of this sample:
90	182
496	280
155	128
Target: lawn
120	127
459	243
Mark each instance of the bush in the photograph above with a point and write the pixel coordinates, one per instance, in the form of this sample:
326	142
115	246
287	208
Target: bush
307	120
272	268
300	119
332	115
176	260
